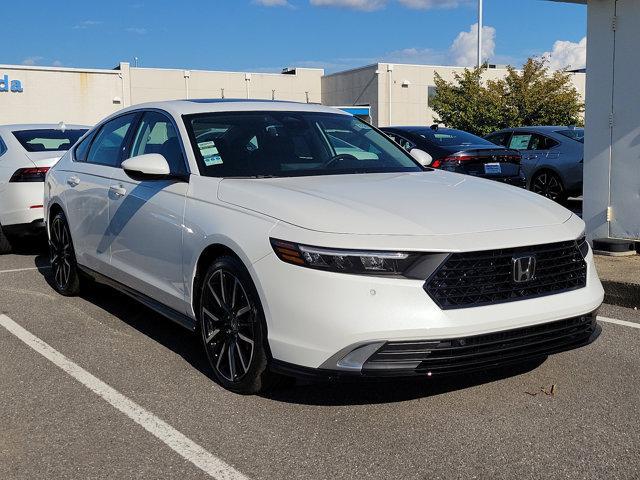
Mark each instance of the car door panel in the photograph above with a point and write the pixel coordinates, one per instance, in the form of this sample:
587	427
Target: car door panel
146	217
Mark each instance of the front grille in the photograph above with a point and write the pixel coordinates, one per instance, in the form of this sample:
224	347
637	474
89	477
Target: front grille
484	278
482	351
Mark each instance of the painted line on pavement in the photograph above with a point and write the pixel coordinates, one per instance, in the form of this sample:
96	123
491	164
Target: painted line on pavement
619	322
179	443
24	269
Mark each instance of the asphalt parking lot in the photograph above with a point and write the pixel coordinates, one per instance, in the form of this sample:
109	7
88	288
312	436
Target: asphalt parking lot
165	418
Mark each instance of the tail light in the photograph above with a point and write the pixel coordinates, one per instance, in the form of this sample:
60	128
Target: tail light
35	174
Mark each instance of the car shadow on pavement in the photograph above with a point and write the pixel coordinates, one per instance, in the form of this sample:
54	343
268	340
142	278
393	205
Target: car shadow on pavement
29	246
318	393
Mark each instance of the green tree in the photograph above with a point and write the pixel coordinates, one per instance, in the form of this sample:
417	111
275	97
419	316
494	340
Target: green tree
531	96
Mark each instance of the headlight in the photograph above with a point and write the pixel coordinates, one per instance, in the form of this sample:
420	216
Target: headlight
406	264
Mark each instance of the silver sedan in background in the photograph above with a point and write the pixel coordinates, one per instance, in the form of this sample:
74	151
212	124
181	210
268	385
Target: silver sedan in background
552	158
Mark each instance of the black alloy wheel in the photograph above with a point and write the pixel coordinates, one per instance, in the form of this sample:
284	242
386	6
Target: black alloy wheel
549	184
233	327
64	269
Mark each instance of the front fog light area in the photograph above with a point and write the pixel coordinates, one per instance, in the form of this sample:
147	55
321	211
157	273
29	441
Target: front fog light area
406	264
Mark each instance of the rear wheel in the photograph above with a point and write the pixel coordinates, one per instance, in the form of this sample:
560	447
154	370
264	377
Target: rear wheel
549	184
5	245
233	328
64	269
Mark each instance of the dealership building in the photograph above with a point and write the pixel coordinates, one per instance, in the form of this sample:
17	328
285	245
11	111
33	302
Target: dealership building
384	93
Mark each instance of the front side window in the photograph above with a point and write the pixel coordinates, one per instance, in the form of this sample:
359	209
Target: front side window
107	147
520	141
157	134
285	144
48	139
501	138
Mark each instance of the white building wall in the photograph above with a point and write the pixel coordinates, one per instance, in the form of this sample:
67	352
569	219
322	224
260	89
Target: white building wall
399	93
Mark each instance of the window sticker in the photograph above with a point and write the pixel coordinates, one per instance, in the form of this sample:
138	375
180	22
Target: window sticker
210	153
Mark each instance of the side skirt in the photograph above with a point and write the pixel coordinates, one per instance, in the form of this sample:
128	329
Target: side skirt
173	315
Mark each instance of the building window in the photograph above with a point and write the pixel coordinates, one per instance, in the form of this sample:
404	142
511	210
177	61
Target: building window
431	92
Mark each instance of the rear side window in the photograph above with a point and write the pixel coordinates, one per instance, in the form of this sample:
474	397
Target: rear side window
48	140
540	142
520	141
576	134
107	147
3	147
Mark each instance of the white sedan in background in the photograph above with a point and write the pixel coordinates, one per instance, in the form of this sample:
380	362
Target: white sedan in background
251	223
26	153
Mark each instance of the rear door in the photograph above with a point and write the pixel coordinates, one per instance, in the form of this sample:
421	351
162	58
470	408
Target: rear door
87	195
146	216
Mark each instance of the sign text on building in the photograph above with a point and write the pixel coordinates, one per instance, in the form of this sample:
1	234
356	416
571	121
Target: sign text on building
7	85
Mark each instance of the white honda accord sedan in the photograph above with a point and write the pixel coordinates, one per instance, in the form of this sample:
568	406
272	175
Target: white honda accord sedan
26	153
298	240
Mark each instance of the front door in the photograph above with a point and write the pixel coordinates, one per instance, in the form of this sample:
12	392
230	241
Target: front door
146	218
87	198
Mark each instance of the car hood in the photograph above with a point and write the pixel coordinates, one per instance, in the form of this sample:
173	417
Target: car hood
424	203
44	159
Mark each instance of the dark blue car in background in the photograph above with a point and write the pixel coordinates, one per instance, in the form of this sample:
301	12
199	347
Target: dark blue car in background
552	158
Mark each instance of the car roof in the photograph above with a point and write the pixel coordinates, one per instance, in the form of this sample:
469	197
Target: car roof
195	106
422	127
541	128
17	127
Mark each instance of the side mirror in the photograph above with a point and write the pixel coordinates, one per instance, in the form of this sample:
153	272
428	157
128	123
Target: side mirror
422	157
151	166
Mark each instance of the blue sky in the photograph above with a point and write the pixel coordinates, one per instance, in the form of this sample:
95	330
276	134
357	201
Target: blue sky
245	35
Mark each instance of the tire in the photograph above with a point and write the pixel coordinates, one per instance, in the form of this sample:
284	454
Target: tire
233	328
64	268
549	184
5	245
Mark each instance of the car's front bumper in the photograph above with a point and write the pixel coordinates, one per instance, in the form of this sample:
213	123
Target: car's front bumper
316	319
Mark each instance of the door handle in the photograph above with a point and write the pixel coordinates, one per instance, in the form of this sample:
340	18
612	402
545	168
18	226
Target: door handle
118	190
73	181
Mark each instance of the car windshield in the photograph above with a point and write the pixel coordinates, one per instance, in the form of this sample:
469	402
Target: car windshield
576	134
48	140
287	144
447	137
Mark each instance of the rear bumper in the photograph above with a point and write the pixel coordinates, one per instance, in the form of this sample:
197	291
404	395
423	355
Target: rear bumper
515	181
21	203
37	227
427	358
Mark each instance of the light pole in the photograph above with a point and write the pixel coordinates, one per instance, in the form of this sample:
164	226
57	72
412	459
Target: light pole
479	33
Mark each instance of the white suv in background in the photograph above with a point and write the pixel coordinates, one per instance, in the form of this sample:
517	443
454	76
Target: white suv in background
298	239
26	153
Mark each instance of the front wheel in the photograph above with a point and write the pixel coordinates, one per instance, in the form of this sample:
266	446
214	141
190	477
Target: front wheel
64	269
549	184
233	328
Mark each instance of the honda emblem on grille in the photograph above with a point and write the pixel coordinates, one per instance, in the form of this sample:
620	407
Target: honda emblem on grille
524	268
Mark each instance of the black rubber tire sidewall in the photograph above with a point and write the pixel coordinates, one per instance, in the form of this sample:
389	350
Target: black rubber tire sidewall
72	288
258	378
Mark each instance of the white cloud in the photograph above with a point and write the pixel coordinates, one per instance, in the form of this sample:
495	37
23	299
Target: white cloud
365	5
427	4
464	49
272	3
32	60
137	30
567	54
86	24
57	63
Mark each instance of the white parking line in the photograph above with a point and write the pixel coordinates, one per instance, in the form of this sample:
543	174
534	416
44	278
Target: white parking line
175	440
24	269
619	322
